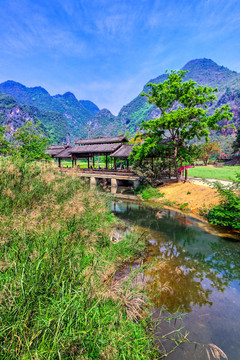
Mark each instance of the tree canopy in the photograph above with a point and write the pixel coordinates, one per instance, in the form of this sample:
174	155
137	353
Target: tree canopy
30	143
207	150
184	106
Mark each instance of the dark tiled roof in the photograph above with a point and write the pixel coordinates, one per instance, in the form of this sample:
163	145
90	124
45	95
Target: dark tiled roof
54	149
124	151
95	149
64	154
102	140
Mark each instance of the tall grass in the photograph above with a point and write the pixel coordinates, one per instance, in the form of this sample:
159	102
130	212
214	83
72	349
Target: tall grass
58	299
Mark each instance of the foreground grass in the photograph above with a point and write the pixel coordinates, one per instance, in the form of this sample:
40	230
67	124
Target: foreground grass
57	297
208	172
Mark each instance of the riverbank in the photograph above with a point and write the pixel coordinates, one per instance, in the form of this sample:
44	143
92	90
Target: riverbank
57	265
189	197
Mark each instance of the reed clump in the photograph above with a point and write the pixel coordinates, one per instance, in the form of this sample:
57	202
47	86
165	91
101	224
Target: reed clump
57	297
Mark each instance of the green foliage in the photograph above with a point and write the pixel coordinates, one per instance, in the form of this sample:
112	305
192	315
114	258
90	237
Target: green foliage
148	192
183	107
207	150
228	212
183	206
30	143
57	262
4	144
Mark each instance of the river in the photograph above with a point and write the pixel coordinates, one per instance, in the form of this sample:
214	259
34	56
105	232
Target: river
194	270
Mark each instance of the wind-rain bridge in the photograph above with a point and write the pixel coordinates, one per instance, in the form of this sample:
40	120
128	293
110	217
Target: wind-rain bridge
114	148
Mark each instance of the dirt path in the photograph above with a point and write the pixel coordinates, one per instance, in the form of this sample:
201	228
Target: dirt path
208	182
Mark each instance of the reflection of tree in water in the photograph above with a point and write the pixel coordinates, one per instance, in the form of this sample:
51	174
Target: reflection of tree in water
225	258
175	280
188	255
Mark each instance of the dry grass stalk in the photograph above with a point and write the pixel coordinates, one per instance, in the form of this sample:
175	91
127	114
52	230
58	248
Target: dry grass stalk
216	352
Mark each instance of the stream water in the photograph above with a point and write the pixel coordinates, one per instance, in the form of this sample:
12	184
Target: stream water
193	270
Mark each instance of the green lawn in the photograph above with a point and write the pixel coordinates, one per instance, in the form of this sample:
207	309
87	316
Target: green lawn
209	172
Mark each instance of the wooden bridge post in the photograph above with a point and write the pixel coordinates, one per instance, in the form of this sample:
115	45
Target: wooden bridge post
114	184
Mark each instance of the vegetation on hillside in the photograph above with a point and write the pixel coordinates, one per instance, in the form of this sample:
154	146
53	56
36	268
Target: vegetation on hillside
79	115
14	115
58	296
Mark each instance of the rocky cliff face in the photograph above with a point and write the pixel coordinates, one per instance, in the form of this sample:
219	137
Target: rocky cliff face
13	115
104	124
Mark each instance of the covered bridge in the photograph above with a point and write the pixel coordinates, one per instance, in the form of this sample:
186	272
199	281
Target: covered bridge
115	147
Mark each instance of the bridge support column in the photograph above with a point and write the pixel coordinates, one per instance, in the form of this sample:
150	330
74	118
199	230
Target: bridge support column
135	183
114	184
93	181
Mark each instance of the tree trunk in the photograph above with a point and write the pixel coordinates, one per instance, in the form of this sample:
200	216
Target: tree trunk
178	177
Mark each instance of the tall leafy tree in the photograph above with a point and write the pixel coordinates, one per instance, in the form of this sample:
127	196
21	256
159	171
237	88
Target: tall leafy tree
30	142
183	106
207	150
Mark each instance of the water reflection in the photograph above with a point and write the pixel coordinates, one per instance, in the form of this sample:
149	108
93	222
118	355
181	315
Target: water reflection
193	270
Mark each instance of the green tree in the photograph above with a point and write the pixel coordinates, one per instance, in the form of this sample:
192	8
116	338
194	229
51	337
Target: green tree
236	143
30	142
183	107
207	150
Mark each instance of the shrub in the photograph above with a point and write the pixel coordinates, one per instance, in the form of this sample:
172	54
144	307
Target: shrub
148	192
227	213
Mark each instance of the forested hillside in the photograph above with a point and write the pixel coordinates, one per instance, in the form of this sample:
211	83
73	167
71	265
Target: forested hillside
14	115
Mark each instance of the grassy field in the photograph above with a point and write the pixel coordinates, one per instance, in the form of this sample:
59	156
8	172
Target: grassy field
58	299
99	162
210	172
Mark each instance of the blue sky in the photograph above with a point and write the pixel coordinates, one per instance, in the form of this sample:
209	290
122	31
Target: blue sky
106	50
